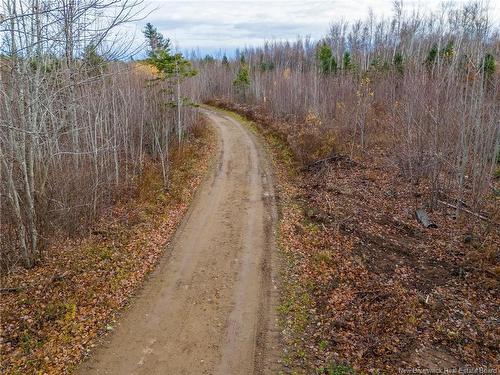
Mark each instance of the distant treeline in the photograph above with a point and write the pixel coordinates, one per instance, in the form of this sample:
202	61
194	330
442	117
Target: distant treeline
424	88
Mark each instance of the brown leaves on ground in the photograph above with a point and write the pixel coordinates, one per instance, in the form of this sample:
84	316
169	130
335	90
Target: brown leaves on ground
366	286
53	314
397	287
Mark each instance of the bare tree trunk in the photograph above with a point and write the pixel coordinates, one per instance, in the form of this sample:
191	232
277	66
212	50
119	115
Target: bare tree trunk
179	124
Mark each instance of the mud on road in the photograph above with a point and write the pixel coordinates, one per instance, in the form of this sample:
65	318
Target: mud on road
209	307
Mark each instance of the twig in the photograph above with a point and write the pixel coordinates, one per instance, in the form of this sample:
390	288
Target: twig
11	290
53	279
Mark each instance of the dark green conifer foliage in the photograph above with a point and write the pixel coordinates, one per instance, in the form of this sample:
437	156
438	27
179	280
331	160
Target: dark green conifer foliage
94	63
398	63
489	66
347	63
242	79
431	57
208	59
171	67
327	63
448	52
264	65
156	41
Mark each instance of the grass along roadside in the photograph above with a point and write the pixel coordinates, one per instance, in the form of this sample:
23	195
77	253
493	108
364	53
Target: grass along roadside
57	311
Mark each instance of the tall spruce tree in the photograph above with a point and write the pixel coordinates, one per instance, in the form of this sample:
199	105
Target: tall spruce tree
327	63
171	67
346	62
242	79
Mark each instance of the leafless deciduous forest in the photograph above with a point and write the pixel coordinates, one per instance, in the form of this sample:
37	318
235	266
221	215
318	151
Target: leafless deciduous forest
421	88
383	121
76	121
376	130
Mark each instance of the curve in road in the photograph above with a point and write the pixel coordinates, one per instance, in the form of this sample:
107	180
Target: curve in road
209	307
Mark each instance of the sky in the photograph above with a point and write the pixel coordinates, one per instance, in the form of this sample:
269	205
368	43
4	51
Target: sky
222	26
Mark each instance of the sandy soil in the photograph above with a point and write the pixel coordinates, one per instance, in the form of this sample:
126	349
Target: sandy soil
209	308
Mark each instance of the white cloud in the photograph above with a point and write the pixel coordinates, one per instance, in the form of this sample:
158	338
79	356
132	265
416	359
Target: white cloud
226	25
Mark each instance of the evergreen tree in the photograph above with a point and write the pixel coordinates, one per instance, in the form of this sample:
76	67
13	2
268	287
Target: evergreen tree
209	59
173	68
376	63
242	79
347	63
264	65
94	63
225	61
431	57
489	66
379	65
398	63
447	52
156	41
327	62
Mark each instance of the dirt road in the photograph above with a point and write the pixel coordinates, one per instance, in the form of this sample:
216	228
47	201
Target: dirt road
209	306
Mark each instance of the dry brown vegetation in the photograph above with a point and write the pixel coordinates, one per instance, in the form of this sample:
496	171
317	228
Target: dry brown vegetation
375	121
409	120
365	286
76	123
423	89
94	176
54	314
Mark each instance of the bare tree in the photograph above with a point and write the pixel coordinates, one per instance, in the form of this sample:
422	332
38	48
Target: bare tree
76	122
425	84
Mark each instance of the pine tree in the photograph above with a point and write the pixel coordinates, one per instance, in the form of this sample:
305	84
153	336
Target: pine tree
489	66
208	59
156	41
242	79
225	61
94	63
398	62
431	57
327	63
265	65
173	68
347	63
448	52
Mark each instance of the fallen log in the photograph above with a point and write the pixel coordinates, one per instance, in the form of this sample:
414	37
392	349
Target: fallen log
459	207
316	163
10	290
424	219
58	277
